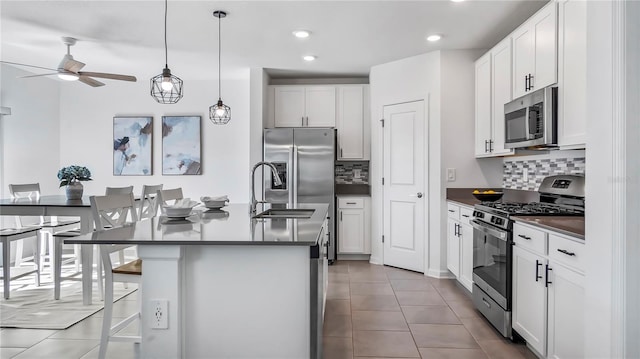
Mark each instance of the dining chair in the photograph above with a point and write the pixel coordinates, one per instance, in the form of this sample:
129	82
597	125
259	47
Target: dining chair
148	204
168	195
102	207
8	235
49	227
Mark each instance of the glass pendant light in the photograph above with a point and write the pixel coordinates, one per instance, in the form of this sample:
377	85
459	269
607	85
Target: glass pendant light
166	88
219	114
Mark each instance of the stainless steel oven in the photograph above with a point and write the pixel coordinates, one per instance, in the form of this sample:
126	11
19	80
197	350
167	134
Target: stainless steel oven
492	272
530	121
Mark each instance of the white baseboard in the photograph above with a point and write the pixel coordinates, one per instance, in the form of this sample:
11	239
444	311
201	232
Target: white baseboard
440	274
376	260
354	257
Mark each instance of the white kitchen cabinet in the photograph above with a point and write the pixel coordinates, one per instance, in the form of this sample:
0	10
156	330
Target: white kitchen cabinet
354	224
460	243
548	291
453	247
352	122
535	51
304	106
572	74
493	90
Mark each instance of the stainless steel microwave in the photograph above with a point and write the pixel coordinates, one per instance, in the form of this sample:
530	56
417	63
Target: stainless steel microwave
531	120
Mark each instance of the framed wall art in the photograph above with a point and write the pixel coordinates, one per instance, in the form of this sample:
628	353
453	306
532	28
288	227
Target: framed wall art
181	147
132	146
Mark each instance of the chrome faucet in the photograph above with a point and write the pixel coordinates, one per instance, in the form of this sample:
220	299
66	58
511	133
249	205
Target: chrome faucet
276	181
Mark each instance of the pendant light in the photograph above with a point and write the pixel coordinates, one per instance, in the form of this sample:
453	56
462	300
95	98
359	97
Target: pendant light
219	114
166	88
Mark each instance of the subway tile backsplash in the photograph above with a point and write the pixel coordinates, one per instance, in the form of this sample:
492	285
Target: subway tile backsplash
352	172
537	170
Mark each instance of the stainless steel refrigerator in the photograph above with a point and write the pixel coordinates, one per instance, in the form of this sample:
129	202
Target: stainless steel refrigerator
305	159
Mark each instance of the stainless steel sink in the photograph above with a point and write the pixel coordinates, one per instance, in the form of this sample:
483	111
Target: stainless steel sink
285	213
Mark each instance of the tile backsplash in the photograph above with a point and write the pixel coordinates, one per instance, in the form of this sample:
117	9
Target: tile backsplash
352	172
536	170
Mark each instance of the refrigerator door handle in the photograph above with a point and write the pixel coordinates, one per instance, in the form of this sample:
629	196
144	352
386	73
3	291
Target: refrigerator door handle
294	184
290	172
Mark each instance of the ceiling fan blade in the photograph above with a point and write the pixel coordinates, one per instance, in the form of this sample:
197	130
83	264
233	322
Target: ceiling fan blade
108	76
26	77
37	67
89	81
73	65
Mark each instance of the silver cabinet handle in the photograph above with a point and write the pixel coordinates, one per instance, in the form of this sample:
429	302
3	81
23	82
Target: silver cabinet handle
302	121
340	216
341	152
525	237
564	251
351	203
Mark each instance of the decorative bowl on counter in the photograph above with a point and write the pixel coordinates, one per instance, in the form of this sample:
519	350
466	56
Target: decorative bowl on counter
487	196
214	202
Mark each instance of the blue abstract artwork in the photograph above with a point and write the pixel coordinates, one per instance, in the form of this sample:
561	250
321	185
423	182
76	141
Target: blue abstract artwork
132	146
181	147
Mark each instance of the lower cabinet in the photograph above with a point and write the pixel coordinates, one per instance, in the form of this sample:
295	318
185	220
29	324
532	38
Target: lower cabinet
354	225
460	243
548	291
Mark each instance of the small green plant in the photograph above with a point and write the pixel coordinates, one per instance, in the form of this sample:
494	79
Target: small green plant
72	174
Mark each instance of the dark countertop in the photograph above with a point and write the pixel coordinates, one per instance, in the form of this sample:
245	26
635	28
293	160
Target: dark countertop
232	225
355	189
569	225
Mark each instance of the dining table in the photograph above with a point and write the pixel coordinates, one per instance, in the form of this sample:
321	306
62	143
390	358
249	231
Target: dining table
59	205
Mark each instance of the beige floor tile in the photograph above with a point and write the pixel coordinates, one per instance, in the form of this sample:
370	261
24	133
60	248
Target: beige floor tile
374	302
442	336
337	326
451	353
7	353
452	293
338	307
384	344
59	348
23	338
379	320
430	314
116	350
419	298
366	288
338	278
411	285
339	267
500	349
395	273
364	266
437	282
376	277
481	329
338	291
337	348
464	309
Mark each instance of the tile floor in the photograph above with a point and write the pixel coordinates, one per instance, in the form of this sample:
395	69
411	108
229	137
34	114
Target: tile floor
372	311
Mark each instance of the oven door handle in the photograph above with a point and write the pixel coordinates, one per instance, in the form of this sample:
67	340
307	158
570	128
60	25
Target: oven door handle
494	232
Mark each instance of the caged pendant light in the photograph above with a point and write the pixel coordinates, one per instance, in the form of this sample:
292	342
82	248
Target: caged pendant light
219	114
166	88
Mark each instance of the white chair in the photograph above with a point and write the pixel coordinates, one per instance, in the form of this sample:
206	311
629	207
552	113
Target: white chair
49	227
102	208
149	201
168	195
8	235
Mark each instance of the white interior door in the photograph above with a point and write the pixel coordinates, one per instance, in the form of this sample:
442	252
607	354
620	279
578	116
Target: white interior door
404	188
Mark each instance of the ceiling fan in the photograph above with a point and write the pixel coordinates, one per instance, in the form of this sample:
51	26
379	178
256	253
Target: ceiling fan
69	69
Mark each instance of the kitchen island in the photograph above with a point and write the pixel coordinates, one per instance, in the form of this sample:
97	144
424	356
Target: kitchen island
235	286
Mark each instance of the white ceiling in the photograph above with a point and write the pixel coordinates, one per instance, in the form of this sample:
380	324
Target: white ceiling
348	37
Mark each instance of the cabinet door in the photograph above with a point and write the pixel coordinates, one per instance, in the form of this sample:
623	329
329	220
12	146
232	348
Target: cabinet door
466	256
544	26
500	94
320	106
529	307
566	313
289	106
453	247
483	105
572	73
350	231
350	123
523	57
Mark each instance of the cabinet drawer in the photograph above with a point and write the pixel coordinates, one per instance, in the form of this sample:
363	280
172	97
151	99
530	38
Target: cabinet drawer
567	251
466	214
530	238
351	202
453	211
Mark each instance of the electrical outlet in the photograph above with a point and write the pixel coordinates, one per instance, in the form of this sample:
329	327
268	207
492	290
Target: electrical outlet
451	174
160	314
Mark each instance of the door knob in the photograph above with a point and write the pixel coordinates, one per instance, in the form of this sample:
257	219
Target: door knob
419	195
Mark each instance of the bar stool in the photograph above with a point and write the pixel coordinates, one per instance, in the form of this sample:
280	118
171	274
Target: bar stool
149	201
8	235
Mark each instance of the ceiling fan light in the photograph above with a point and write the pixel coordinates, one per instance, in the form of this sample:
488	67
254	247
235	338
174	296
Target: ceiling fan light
220	114
68	76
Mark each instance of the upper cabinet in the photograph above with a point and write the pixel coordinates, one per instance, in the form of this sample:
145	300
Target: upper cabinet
572	73
352	122
305	106
535	52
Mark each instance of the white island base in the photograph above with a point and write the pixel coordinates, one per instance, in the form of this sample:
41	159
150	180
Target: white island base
226	301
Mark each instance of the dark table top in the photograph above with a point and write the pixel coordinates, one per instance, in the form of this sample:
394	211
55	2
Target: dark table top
53	200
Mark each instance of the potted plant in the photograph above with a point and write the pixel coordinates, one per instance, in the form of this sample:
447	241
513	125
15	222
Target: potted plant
71	177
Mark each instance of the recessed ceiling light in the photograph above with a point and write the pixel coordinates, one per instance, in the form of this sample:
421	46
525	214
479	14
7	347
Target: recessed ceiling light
433	38
302	34
309	58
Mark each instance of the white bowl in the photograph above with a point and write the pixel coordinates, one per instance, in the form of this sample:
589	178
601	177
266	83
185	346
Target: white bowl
177	212
215	204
